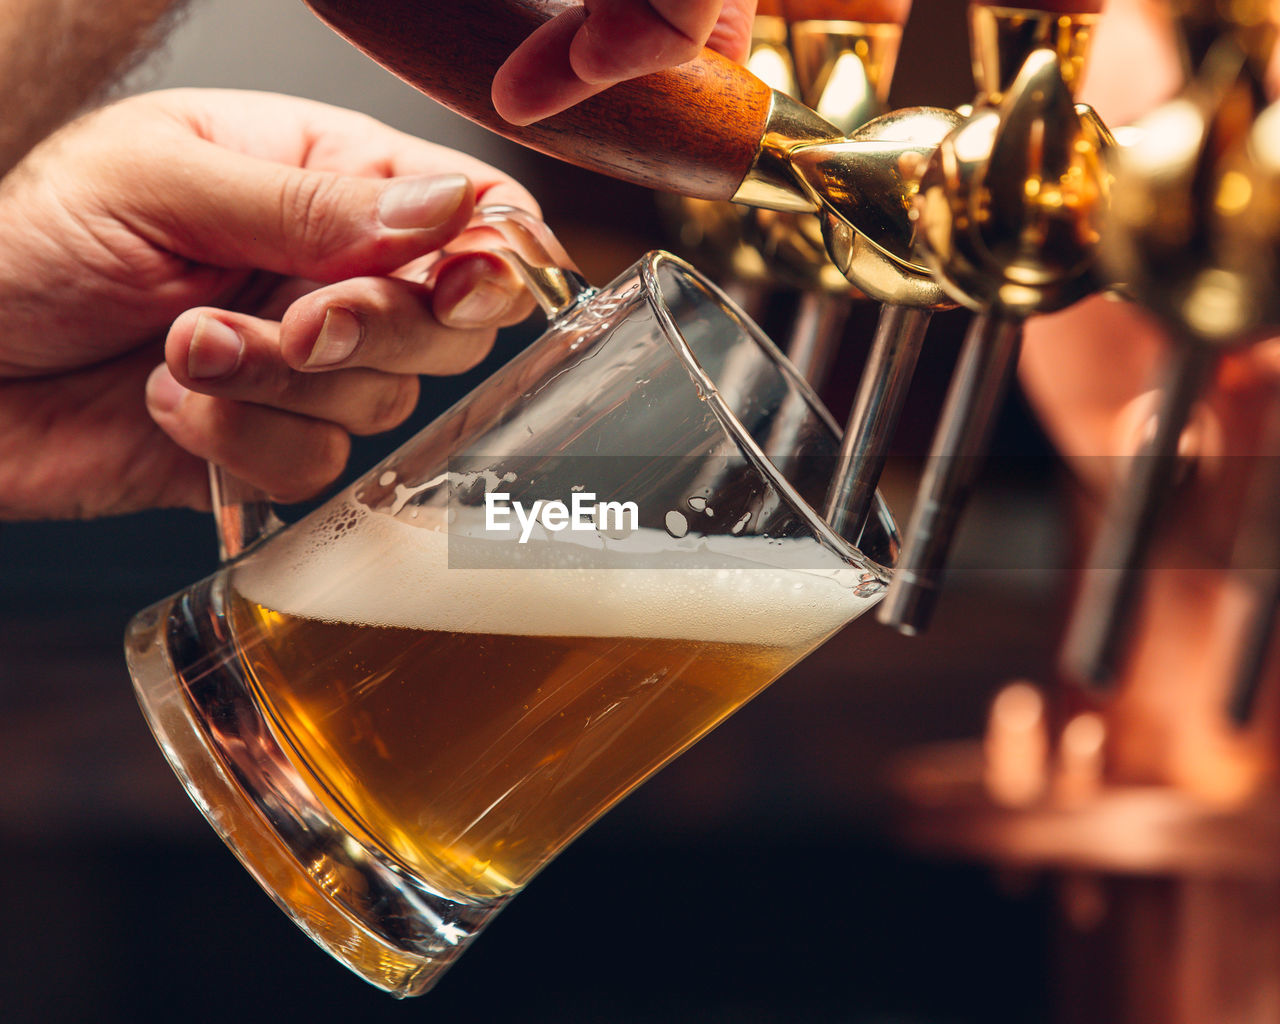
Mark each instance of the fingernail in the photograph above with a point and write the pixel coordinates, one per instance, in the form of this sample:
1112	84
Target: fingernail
215	349
339	335
421	202
481	306
164	394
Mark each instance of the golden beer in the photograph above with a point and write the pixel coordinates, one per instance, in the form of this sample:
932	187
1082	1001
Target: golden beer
469	722
395	712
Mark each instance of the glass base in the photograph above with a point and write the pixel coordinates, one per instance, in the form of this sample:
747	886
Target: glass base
358	905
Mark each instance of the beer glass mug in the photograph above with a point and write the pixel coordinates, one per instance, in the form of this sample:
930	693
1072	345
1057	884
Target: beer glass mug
396	710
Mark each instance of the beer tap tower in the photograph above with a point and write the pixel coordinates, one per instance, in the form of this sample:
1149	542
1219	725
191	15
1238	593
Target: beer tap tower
837	57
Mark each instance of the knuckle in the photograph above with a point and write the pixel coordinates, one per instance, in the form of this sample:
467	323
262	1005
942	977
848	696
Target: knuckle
392	404
261	379
310	212
326	453
282	388
471	351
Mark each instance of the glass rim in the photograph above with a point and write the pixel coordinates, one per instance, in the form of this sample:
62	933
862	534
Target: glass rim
649	266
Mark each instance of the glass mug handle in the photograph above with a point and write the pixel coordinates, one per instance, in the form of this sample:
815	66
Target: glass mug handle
243	513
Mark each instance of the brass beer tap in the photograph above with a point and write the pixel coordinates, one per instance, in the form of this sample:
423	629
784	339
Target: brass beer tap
1008	211
1208	274
842	68
820	53
844	56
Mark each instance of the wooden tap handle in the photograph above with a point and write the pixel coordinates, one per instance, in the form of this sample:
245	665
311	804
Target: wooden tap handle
694	129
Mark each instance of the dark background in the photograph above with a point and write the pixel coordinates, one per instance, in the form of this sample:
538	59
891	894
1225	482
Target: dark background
758	879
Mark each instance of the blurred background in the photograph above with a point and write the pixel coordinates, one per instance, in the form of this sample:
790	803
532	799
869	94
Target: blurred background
761	878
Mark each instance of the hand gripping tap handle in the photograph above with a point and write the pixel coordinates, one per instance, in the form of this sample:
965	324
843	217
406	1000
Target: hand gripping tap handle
695	129
708	128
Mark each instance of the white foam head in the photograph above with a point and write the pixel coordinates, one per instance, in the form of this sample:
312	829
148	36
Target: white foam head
354	565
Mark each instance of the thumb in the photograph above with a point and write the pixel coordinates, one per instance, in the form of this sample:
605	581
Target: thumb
215	206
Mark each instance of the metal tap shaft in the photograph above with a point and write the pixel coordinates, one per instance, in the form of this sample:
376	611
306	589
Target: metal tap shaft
1257	561
1255	650
843	53
1000	216
821	318
978	388
873	419
1095	644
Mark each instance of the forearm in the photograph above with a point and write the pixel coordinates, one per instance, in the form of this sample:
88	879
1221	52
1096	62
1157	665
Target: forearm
57	56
